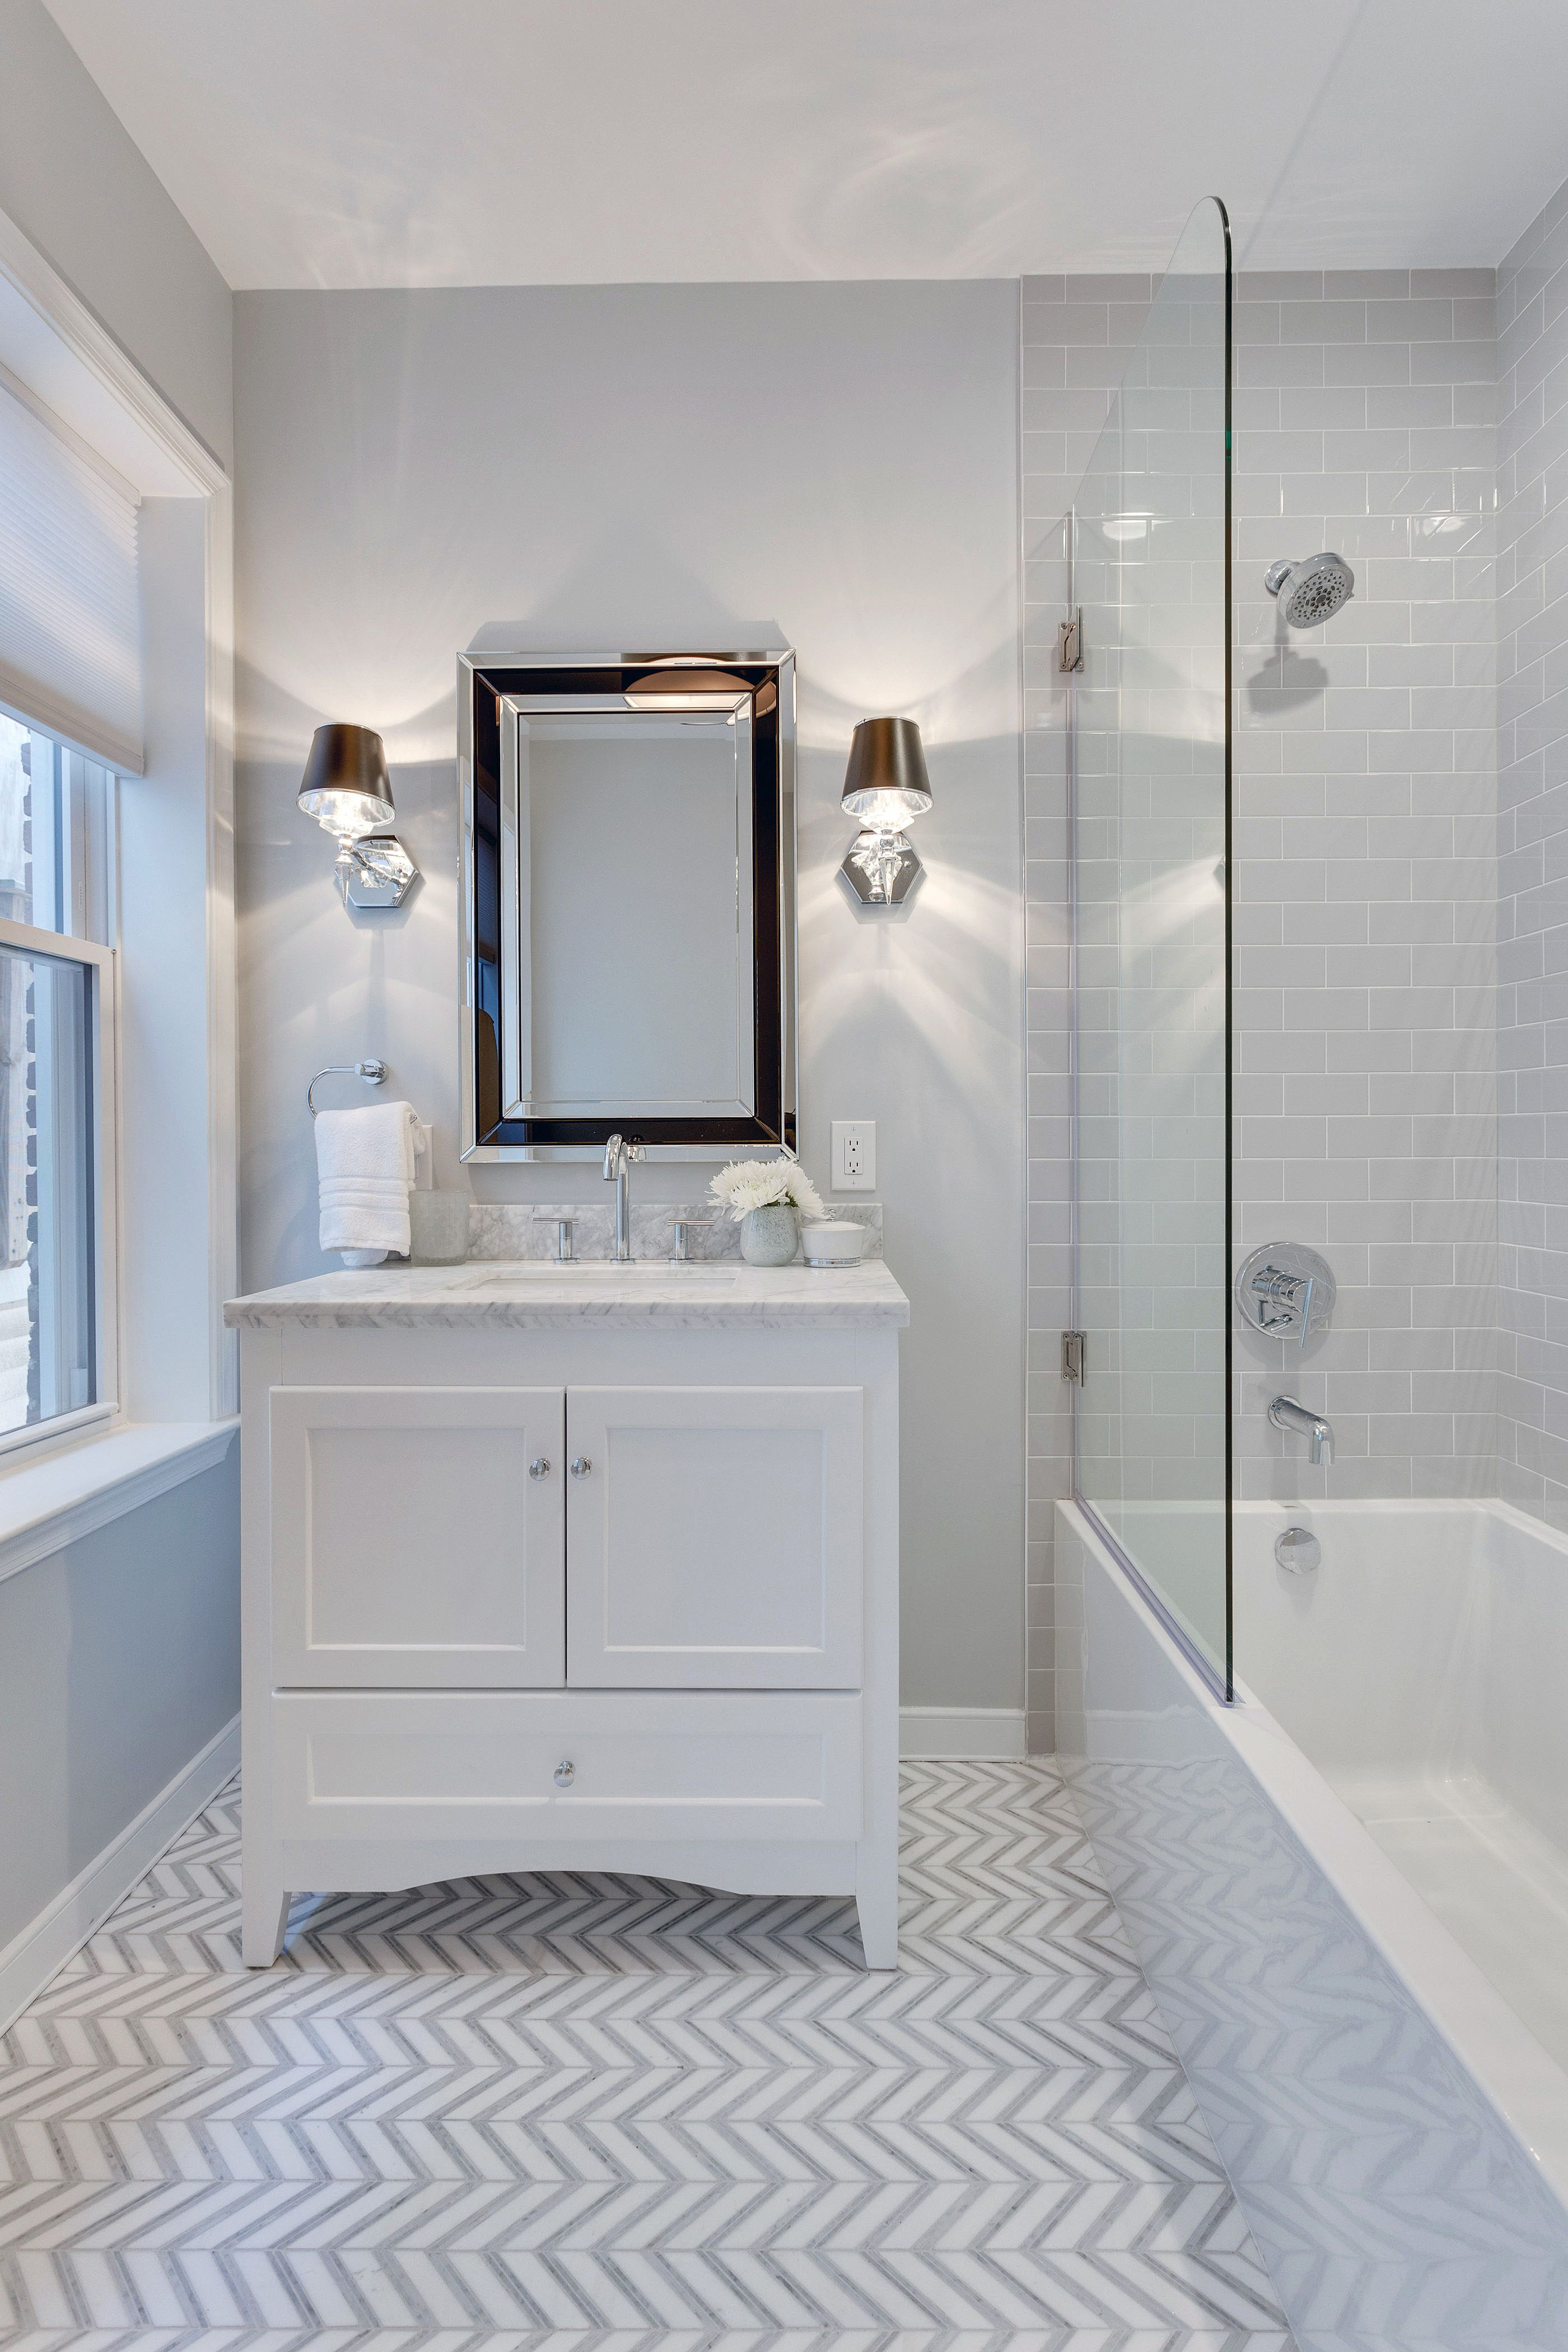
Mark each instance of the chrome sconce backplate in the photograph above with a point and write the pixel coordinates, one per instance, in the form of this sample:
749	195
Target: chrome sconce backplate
1286	1291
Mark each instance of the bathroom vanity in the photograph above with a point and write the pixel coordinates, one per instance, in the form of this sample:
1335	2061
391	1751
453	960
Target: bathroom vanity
572	1566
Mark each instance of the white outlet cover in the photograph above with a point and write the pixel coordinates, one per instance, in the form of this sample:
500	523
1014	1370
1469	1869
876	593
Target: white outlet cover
854	1155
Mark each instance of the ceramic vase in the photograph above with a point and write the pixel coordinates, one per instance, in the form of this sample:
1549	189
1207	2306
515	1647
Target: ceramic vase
770	1236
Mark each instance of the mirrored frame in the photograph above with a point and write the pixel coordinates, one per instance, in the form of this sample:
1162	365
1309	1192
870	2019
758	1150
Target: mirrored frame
503	696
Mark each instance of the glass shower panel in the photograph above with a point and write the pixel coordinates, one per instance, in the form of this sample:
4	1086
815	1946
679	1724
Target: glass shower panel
1149	770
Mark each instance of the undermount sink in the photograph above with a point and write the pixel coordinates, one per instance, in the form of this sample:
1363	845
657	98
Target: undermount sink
597	1269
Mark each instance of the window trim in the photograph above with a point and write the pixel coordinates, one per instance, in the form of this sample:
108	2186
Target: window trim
52	343
101	966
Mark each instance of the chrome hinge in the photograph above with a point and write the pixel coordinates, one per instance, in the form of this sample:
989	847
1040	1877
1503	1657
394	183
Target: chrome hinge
1070	643
1072	1357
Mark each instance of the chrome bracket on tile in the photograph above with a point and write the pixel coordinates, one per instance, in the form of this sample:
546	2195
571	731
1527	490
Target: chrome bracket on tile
1070	643
1286	1291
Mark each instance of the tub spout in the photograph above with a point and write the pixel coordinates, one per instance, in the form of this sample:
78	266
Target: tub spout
1285	1413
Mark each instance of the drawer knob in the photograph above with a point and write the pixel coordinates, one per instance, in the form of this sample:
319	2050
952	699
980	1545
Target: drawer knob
581	1466
566	1773
540	1469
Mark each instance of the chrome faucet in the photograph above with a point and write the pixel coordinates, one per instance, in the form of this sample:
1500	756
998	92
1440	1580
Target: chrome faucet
1285	1413
618	1156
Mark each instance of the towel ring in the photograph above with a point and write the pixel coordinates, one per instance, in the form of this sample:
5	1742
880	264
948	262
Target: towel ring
373	1072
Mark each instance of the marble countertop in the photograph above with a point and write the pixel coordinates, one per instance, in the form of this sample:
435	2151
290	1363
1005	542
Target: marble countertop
502	1293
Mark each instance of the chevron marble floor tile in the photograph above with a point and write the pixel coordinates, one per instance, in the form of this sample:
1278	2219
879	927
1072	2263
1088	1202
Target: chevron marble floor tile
581	2113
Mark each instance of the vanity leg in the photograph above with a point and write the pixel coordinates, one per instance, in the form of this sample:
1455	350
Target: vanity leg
263	1914
876	1900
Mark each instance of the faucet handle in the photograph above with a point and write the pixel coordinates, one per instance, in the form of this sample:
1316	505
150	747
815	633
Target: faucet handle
680	1238
1286	1291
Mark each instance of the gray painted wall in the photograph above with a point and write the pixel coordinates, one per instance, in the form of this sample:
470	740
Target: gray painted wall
830	466
119	1655
118	1661
75	183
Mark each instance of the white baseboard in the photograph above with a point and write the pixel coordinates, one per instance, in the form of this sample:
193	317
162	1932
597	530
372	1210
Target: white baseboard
997	1731
63	1927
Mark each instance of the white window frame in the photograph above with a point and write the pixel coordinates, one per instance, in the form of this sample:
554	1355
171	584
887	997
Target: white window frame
167	1186
100	966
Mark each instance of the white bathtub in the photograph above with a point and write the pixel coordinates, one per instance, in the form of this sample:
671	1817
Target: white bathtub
1349	1893
1424	1668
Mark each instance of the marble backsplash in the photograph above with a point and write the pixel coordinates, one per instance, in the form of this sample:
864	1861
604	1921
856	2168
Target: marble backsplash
513	1229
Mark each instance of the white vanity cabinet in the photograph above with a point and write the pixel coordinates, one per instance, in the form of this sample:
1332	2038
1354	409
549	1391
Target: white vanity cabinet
567	1569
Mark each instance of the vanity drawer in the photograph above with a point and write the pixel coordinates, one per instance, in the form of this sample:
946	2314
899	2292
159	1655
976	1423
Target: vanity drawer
482	1765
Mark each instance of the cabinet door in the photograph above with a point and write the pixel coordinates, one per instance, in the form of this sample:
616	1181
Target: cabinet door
410	1544
715	1538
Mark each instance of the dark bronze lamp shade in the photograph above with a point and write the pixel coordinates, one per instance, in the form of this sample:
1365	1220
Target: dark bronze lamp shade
885	782
345	786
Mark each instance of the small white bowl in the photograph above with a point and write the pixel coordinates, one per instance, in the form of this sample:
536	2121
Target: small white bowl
833	1244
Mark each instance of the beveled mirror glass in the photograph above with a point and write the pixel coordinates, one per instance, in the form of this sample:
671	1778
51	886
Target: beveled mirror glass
628	892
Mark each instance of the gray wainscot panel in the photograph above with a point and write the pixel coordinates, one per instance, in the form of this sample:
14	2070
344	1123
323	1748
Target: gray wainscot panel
118	1662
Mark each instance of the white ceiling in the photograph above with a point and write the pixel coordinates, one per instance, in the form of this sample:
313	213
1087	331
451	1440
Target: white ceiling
455	142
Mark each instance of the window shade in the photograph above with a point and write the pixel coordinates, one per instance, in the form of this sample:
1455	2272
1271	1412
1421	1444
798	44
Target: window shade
70	626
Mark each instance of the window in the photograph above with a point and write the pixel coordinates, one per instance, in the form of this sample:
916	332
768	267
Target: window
57	1086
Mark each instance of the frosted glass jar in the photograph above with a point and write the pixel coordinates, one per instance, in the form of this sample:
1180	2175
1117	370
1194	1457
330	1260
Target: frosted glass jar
437	1228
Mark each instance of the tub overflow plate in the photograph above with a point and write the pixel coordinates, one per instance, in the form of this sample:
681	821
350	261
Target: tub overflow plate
1297	1551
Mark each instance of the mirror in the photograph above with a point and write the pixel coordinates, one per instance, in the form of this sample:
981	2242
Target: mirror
628	891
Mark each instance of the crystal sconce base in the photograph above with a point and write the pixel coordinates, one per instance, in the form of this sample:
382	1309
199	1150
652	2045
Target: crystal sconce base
881	868
381	872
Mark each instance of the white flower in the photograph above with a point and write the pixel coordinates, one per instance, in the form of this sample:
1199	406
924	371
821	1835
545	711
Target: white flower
747	1184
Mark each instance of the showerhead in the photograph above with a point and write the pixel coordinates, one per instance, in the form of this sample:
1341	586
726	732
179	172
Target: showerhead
1313	590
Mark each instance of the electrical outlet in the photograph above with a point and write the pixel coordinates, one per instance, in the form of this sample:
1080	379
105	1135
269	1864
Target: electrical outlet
854	1155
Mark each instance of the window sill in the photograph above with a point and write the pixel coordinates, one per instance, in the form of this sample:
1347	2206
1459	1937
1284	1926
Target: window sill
46	1505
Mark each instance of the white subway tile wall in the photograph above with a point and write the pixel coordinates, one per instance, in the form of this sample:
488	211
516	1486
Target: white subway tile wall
1532	851
1365	887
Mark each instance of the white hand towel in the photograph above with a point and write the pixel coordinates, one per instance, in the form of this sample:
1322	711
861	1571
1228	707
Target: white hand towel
364	1167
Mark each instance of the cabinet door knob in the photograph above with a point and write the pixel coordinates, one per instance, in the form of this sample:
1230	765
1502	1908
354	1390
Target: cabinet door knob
581	1466
566	1773
540	1469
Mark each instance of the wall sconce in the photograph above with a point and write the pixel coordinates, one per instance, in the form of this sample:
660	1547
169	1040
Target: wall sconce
885	785
346	787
